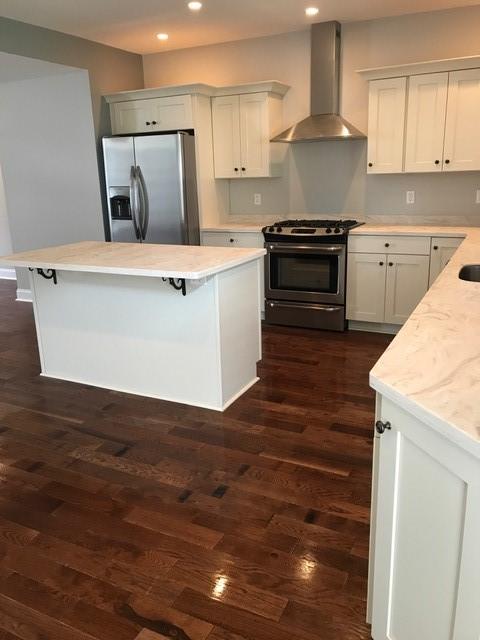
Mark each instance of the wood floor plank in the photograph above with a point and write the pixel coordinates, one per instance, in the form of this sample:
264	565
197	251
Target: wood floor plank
128	518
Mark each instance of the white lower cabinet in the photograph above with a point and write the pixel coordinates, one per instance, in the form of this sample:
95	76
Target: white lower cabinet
406	284
388	275
385	288
441	252
248	240
425	569
366	274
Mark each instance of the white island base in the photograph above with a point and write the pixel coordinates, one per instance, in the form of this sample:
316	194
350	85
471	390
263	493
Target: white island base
137	334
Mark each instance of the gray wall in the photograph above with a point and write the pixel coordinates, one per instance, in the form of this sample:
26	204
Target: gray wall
330	178
5	237
109	69
49	166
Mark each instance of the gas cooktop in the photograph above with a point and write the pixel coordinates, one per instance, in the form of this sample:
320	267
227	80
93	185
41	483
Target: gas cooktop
288	229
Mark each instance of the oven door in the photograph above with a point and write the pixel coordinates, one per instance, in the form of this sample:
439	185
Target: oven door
305	273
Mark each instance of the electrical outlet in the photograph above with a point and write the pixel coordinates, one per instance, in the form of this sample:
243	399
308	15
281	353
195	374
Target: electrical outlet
410	197
477	198
257	199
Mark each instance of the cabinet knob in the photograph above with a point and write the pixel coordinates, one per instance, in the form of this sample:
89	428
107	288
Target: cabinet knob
232	240
381	427
390	264
435	248
154	122
236	169
387	244
447	161
437	161
243	169
147	123
381	264
370	164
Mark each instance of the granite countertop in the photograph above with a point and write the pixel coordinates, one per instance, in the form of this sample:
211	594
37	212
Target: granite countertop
149	260
432	367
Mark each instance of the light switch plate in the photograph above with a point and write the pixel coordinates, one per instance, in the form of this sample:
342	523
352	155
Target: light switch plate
410	197
257	199
477	198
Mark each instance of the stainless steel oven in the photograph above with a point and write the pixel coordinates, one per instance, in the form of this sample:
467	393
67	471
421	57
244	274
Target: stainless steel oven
305	284
305	272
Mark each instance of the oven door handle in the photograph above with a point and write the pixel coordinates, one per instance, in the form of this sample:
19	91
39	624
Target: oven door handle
300	248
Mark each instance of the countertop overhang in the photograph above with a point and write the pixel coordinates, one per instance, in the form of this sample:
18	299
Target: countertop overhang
432	367
147	260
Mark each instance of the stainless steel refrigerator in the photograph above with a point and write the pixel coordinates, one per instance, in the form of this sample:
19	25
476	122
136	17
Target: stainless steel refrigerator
151	188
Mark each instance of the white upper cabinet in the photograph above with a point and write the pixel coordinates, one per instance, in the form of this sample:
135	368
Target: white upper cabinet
462	131
226	147
427	105
424	123
386	125
242	128
152	114
255	134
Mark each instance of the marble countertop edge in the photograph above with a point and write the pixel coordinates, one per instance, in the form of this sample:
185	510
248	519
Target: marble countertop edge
160	261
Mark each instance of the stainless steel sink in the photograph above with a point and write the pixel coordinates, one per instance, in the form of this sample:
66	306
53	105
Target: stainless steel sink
470	272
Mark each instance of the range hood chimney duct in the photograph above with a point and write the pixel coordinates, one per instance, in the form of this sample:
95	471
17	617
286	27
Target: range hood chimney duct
325	122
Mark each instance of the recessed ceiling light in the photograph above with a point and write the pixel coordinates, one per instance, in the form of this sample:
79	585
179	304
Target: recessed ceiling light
311	11
162	36
194	6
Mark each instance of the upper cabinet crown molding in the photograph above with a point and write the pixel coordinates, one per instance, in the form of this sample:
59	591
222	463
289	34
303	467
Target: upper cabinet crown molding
273	87
417	68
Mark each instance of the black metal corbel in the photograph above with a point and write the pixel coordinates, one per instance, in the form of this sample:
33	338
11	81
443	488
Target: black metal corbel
48	274
178	284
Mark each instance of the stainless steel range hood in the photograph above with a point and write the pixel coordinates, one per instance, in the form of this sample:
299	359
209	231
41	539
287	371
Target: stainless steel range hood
325	123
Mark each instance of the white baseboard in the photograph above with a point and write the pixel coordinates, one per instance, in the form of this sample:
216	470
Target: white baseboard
8	274
374	327
24	295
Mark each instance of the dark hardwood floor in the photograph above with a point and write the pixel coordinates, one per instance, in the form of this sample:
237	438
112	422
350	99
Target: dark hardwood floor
127	518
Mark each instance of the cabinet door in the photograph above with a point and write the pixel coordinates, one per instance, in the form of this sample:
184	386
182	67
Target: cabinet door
238	239
226	136
386	125
366	287
407	283
171	113
134	116
254	135
427	105
442	250
462	132
427	525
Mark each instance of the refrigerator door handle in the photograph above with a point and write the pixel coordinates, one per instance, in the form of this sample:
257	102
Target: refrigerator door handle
143	204
134	201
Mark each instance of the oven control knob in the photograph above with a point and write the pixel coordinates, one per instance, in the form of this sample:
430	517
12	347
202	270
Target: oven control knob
271	229
336	230
279	229
328	230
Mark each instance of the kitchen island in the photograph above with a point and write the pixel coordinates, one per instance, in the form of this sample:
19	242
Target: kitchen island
178	323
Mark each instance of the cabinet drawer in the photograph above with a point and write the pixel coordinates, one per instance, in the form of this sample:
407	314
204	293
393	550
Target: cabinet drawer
235	239
413	245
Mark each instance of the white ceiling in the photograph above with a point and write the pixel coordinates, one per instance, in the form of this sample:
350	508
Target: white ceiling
133	24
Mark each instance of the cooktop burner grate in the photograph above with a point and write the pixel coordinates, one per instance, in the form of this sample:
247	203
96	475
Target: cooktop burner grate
318	224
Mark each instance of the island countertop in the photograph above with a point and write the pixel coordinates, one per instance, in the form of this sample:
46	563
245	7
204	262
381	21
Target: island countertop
149	260
432	367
